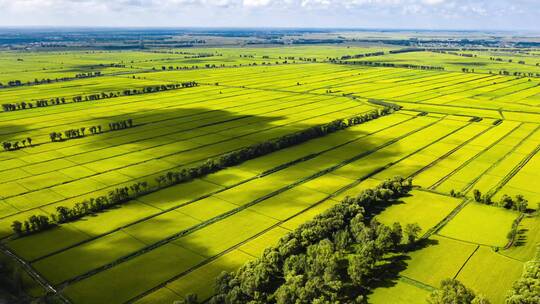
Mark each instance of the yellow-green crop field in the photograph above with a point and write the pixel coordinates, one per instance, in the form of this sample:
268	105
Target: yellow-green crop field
457	132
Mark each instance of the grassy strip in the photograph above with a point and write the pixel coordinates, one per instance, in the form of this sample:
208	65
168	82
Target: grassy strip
122	195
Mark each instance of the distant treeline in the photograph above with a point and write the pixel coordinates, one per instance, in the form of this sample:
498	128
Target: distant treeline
37	223
389	65
7	107
381	53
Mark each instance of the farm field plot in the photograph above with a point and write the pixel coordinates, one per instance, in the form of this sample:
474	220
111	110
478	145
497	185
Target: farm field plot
450	131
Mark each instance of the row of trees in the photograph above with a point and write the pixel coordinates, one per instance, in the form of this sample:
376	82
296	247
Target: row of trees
88	74
330	259
215	66
518	203
122	124
390	65
97	96
6	107
16	145
124	194
64	214
81	132
346	57
16	83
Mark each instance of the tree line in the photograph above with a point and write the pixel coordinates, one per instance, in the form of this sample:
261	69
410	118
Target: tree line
97	96
356	56
81	132
518	203
216	66
332	258
389	65
16	145
124	194
17	83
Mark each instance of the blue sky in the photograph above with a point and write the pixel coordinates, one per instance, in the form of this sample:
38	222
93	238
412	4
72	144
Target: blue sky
425	14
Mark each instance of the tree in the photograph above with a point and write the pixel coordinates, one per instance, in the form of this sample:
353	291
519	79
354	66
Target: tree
411	232
189	299
526	290
477	195
17	228
358	269
453	291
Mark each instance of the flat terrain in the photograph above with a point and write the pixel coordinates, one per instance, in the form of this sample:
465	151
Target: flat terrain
457	132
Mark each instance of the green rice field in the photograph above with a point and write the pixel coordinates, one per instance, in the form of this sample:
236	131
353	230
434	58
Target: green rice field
456	133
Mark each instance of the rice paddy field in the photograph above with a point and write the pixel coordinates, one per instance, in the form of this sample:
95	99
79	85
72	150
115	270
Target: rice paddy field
456	132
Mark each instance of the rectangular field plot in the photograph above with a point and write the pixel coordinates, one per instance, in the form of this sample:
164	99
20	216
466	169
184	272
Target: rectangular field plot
526	244
485	265
440	258
400	293
123	283
425	208
199	281
481	224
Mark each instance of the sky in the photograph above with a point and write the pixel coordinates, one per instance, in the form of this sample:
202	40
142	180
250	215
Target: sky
391	14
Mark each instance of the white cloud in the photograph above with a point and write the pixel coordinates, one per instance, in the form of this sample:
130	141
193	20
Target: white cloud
307	13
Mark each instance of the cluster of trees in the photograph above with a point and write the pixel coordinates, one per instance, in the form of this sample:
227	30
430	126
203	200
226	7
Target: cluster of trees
122	124
453	291
517	74
97	96
16	145
68	214
518	203
212	165
330	259
390	65
526	290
